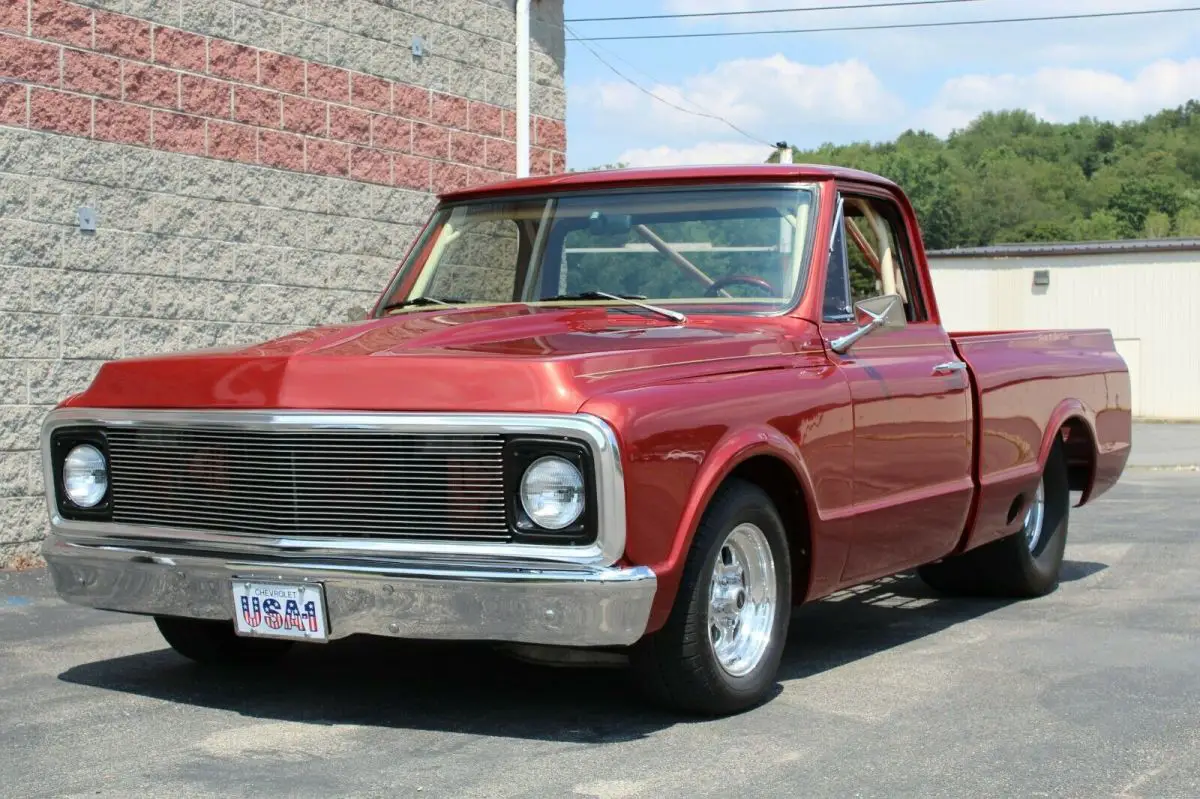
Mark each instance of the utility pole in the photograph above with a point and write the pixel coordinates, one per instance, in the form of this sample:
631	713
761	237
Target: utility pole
786	231
523	88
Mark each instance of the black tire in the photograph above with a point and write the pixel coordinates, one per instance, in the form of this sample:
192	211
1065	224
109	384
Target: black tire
677	666
213	643
1007	567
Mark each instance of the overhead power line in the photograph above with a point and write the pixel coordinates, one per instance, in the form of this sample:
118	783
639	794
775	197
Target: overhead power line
889	27
615	56
699	113
700	14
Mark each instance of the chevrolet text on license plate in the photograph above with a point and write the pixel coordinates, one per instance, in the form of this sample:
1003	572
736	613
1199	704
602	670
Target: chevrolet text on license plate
278	610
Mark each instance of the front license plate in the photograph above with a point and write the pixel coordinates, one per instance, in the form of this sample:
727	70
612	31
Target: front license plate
280	610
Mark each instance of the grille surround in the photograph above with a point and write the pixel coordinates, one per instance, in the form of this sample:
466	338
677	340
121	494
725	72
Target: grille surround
607	547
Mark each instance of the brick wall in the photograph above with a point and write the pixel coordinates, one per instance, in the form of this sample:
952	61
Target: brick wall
256	167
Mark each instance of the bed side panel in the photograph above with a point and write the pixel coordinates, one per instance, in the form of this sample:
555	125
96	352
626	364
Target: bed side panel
1029	383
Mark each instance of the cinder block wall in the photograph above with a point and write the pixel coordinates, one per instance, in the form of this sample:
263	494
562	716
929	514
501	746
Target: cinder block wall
256	166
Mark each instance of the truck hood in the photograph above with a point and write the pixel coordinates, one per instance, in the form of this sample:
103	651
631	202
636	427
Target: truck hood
494	359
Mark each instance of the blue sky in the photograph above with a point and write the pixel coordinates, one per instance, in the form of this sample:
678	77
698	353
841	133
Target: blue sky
844	87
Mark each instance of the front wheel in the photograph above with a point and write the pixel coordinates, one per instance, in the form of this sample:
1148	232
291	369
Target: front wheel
214	643
720	648
1024	564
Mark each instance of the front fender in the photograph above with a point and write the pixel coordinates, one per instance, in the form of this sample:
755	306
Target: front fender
680	440
734	449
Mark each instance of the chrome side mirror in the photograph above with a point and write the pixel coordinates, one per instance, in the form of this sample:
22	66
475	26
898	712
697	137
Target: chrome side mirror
356	314
885	312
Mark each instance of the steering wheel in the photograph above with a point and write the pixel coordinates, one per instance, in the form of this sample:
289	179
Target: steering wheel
729	280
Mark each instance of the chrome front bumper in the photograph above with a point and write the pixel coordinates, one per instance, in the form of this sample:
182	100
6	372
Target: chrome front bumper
483	600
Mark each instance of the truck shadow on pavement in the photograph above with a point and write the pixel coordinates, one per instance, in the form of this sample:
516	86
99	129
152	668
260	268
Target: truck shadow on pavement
473	689
877	616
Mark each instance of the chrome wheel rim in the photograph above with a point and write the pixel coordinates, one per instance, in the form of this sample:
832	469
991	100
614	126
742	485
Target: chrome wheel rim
742	600
1034	518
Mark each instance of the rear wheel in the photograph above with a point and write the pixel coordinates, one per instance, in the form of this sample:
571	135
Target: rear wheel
214	643
720	648
1024	564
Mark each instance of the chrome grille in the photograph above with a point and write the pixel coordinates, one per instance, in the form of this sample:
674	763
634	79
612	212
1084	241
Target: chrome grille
310	482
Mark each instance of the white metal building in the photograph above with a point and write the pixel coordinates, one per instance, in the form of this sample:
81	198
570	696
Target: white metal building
1146	292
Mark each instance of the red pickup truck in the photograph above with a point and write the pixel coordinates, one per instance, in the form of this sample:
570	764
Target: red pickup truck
640	412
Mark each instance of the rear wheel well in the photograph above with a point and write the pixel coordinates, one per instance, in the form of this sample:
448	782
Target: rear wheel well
776	478
1080	450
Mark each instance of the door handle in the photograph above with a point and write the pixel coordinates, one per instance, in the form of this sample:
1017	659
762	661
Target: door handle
949	367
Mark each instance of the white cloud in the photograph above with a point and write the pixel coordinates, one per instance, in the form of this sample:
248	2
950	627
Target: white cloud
845	87
1117	39
715	152
765	96
1062	95
1057	94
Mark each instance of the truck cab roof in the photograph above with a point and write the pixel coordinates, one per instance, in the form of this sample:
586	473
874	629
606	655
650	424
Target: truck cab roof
675	175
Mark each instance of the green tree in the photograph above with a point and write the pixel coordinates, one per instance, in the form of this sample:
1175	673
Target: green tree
929	177
1158	225
1010	176
1187	223
1100	226
1142	197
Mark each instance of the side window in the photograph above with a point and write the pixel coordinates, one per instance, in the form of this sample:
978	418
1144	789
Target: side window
837	306
879	259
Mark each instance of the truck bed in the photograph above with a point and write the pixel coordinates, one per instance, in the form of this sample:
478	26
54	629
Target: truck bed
1028	384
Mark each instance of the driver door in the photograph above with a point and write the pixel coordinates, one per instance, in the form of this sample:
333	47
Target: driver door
911	400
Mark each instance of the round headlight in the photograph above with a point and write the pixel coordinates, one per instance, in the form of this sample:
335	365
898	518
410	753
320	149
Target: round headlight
552	492
85	476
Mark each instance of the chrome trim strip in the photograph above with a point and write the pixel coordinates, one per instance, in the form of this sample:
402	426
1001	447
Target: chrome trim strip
838	218
591	430
436	600
783	355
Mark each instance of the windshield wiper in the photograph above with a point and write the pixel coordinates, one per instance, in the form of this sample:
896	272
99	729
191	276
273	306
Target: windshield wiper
674	316
416	301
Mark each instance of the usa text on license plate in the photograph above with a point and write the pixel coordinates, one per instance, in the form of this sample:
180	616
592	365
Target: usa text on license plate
279	610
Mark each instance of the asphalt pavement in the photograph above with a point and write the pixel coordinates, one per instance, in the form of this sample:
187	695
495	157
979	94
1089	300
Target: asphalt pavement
886	691
1166	445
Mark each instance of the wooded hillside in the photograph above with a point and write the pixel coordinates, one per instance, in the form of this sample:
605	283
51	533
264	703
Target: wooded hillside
1011	177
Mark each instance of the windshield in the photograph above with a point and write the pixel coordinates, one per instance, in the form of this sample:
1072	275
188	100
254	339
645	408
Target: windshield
723	250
